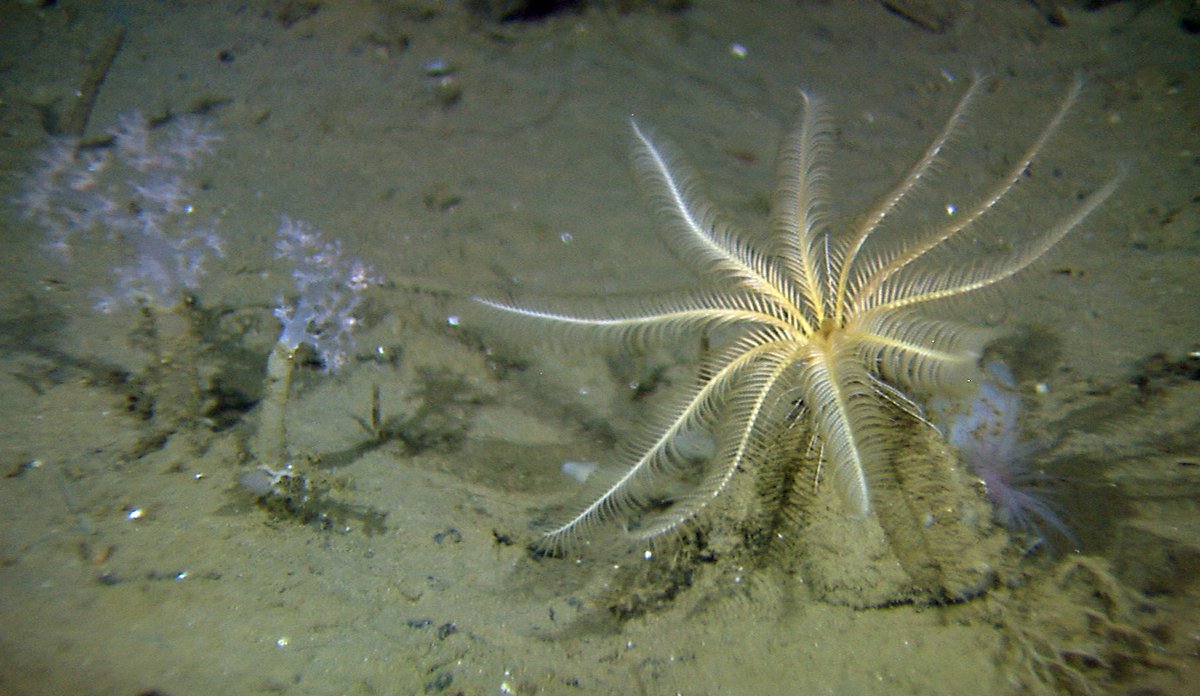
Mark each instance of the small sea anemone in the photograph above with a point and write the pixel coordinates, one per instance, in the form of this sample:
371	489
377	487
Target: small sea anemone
987	433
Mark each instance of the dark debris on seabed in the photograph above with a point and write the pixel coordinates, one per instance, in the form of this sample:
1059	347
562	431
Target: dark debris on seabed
309	498
305	491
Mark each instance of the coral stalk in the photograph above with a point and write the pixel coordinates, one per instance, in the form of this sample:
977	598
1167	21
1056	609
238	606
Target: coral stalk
322	317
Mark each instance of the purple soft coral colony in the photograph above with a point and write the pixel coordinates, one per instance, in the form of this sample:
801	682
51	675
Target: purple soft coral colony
329	291
129	191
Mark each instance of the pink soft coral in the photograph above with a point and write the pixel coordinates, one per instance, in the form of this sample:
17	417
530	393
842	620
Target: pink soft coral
988	435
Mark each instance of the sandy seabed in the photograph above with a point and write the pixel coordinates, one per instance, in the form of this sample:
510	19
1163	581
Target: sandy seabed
461	157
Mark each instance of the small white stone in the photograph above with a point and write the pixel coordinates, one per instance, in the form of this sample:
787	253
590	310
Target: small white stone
580	471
